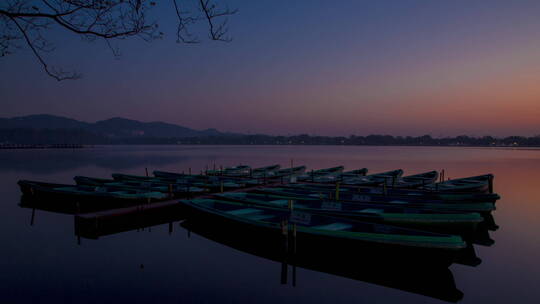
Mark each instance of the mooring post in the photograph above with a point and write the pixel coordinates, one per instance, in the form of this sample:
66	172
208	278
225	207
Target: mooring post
146	171
490	183
170	228
33	216
77	230
294	257
337	191
291	177
285	232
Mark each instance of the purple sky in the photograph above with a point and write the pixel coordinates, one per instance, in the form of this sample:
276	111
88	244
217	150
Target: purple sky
327	67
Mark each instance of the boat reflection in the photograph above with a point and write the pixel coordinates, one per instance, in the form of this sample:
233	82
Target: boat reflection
96	225
284	248
435	282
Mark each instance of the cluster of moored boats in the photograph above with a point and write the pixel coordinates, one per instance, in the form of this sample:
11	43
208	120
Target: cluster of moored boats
418	218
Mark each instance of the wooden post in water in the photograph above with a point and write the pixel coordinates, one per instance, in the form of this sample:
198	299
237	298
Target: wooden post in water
170	228
290	179
490	183
221	186
337	191
294	256
33	217
146	171
284	267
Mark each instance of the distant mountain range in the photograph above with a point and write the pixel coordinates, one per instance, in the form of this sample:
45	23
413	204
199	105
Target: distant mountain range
116	127
50	129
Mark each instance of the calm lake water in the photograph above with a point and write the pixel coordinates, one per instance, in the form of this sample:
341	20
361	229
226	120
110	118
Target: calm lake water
44	262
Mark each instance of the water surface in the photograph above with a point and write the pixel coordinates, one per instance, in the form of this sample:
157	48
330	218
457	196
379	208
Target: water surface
42	260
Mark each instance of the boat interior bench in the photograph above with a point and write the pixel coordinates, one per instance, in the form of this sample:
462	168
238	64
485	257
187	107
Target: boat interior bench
333	226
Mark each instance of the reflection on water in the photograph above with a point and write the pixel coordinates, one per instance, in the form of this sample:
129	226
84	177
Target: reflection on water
163	256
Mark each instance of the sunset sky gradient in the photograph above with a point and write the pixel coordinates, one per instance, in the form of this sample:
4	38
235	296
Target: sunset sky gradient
319	67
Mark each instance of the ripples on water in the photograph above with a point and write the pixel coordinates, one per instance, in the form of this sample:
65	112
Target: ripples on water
42	260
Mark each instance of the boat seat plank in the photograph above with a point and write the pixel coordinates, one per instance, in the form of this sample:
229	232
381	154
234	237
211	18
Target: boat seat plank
243	211
333	226
260	217
371	210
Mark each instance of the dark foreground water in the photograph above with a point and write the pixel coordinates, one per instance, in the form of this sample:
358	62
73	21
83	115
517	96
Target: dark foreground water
41	260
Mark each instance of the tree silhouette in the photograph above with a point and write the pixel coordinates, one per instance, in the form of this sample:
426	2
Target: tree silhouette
26	22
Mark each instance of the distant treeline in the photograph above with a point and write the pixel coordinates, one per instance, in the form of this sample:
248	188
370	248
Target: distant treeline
80	136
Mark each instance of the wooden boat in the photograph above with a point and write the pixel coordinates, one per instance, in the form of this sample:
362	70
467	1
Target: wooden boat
405	245
351	263
355	173
294	171
482	208
416	180
478	184
208	182
432	220
76	193
261	172
374	179
321	174
400	193
174	189
332	178
240	169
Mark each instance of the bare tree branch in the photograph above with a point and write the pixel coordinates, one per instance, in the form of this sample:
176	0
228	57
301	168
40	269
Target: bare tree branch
29	20
211	12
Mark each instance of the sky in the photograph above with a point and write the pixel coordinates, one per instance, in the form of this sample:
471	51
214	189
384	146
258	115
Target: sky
402	67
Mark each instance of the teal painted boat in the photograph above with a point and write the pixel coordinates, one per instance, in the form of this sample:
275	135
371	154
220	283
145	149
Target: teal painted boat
87	194
374	179
214	183
294	171
322	175
478	184
390	193
415	180
351	263
404	245
432	220
240	169
482	208
173	189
